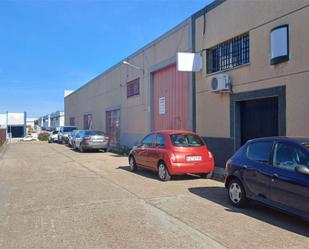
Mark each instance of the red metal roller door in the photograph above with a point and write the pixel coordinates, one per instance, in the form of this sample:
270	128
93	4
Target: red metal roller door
170	99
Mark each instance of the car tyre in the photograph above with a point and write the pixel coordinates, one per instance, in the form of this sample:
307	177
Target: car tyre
132	164
163	172
105	150
236	193
81	149
208	175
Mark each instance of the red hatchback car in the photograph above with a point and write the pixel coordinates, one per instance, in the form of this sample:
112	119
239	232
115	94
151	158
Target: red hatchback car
172	152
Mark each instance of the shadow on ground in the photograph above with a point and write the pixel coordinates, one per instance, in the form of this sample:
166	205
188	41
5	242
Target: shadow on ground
154	175
117	155
255	210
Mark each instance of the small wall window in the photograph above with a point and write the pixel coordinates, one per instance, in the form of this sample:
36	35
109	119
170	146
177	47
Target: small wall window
279	44
133	88
228	54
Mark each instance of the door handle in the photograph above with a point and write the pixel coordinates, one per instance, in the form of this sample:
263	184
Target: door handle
275	175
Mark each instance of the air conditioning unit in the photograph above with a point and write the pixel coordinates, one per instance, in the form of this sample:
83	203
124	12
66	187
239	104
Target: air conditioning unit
220	83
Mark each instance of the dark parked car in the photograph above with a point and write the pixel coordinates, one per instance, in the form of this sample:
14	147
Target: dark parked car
172	152
63	135
91	140
274	171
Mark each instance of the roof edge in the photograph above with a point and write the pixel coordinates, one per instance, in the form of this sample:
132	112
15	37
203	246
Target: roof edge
134	54
207	8
197	14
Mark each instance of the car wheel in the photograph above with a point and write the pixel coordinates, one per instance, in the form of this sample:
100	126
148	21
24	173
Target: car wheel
163	172
81	149
105	150
132	163
208	175
237	194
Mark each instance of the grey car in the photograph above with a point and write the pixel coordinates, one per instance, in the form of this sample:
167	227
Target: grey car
63	135
91	140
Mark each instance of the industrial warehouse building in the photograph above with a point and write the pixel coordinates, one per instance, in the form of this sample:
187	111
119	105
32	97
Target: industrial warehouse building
51	121
253	81
14	123
124	100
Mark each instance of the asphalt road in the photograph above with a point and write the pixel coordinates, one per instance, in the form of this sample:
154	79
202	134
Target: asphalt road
53	197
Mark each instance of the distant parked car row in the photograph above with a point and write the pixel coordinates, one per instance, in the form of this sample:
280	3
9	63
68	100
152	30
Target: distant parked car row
81	140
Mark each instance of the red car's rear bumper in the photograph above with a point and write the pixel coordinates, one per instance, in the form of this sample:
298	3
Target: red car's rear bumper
194	168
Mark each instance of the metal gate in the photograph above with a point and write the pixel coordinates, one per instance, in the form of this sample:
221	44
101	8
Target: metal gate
259	118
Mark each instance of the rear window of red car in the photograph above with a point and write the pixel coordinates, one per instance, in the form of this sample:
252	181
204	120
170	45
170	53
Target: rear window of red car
186	140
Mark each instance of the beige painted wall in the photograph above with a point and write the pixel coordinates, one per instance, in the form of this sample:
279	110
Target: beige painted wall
109	91
235	17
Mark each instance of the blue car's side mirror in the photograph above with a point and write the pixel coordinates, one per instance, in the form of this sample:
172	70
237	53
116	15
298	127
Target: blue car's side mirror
302	169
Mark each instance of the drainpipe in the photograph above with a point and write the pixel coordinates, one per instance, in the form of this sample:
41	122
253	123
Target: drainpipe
7	122
25	124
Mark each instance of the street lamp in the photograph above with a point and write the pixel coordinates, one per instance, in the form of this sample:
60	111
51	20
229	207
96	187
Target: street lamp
142	70
131	65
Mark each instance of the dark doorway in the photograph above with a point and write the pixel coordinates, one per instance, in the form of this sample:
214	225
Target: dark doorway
259	118
16	131
113	126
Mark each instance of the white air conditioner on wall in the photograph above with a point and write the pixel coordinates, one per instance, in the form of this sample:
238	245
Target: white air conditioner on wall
220	83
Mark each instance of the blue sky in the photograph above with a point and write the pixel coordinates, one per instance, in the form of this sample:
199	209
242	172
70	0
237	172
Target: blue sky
49	46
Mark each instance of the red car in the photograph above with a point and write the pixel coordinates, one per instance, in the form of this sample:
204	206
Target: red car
172	152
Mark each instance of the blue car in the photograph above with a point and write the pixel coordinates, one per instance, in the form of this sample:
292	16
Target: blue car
274	171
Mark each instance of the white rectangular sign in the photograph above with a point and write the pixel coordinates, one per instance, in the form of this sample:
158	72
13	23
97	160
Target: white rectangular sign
16	118
189	62
162	105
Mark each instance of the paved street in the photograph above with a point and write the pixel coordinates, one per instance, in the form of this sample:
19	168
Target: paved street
53	197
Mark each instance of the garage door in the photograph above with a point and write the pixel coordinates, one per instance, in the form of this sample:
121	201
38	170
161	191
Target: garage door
259	118
16	131
170	99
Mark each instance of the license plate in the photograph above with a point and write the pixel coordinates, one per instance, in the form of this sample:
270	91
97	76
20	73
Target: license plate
98	141
193	158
